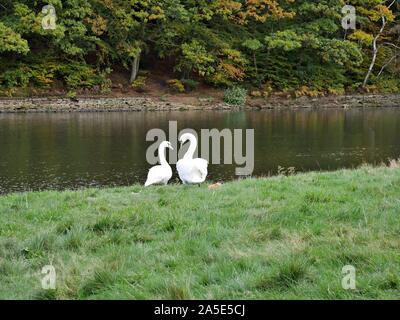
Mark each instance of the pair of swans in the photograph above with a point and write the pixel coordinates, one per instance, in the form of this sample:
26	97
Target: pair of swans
190	171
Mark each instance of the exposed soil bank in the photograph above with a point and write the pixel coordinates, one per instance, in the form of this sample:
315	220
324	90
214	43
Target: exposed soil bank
108	104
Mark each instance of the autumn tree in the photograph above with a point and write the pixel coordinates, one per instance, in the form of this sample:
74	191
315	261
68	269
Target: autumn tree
290	45
375	19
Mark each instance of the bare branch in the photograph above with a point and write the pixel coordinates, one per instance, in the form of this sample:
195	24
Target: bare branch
390	5
391	44
387	63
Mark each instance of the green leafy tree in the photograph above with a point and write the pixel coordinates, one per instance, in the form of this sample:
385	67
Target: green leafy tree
287	45
11	41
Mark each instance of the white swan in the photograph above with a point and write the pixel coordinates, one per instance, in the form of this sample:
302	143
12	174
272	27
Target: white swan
191	171
162	173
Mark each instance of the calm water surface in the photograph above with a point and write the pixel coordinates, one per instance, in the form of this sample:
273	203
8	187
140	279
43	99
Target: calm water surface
58	151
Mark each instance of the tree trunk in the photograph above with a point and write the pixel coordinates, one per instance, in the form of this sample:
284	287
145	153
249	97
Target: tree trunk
256	69
135	68
374	54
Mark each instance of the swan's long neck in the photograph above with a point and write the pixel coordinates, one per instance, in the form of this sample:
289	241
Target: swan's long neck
192	148
161	154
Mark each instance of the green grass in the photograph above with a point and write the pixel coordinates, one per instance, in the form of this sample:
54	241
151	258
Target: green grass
282	237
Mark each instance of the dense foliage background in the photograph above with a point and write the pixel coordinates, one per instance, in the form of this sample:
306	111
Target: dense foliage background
285	45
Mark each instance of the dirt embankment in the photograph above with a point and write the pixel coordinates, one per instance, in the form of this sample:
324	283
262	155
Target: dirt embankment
109	104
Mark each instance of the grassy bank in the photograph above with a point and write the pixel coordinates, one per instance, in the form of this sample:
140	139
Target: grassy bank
283	237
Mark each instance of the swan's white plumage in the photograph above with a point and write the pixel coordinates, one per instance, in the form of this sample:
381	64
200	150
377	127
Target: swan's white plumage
159	175
162	173
191	171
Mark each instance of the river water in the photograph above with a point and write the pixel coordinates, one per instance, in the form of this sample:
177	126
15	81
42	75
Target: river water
72	150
